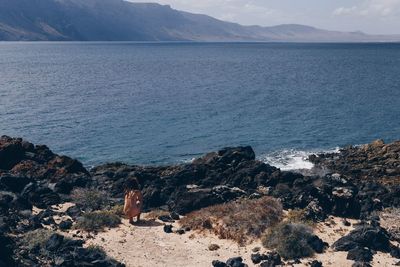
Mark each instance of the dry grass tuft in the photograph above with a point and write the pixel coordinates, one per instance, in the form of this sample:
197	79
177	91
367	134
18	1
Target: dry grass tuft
289	239
299	216
36	238
118	210
242	220
98	220
90	199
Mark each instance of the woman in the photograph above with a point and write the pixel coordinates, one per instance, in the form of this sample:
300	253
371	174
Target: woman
133	200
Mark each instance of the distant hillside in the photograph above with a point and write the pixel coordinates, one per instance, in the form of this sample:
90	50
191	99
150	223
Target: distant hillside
118	20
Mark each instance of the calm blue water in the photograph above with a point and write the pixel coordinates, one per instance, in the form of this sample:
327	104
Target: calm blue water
165	103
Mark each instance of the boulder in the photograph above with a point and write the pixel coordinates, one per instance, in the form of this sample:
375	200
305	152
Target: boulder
372	237
217	263
65	225
360	254
41	197
14	183
235	262
317	244
271	259
168	228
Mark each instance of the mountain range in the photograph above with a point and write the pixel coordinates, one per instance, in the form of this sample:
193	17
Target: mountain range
119	20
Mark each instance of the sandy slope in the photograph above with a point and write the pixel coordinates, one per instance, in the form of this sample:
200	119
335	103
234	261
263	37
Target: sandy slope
148	245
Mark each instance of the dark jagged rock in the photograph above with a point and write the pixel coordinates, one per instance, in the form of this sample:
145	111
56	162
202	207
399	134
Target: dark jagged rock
360	254
212	179
65	225
33	175
374	168
168	229
54	242
217	263
61	251
74	212
41	197
6	245
372	237
235	262
271	259
26	163
174	216
317	244
395	252
14	183
315	263
257	258
180	231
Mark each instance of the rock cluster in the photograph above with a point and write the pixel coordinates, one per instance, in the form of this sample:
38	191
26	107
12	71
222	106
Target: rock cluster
375	162
34	176
213	179
364	241
360	181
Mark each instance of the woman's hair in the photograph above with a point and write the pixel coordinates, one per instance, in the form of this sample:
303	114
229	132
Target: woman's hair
131	184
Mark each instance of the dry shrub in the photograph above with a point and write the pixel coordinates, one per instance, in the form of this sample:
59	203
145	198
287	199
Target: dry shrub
298	216
118	210
36	238
241	220
98	220
289	239
90	199
390	221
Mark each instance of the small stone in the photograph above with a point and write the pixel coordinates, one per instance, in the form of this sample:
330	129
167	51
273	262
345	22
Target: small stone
346	223
65	225
213	247
168	228
180	231
174	216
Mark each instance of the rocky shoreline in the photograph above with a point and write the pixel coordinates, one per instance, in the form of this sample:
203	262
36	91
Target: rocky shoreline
357	183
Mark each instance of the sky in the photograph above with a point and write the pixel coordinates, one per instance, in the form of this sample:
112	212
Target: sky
370	16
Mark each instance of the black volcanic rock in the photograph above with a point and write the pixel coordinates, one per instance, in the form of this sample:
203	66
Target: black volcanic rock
360	254
373	237
6	245
216	178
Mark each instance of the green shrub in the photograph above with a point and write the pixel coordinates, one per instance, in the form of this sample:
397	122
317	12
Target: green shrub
90	199
117	210
97	220
242	220
289	240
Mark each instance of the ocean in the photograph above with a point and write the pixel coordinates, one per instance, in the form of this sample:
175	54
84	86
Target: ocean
166	103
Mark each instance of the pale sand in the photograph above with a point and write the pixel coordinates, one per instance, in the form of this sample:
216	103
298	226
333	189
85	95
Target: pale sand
148	245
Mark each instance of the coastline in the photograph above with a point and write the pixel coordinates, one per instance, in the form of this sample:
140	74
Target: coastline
358	184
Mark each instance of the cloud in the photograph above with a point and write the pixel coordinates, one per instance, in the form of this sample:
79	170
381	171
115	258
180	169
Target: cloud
371	8
241	11
344	11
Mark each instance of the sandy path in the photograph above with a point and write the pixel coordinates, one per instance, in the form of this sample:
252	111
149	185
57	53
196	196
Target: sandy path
148	245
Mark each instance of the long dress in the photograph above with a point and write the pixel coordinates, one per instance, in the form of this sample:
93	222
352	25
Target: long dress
133	203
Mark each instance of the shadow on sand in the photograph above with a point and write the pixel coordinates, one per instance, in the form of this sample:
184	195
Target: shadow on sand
147	223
